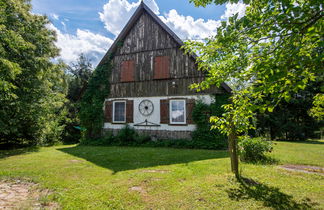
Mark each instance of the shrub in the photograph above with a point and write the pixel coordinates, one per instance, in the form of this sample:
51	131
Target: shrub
126	135
254	149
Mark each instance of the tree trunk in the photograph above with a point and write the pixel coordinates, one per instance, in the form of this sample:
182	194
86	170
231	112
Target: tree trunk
232	148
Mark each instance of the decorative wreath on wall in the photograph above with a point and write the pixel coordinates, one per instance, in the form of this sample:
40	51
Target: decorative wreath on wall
146	107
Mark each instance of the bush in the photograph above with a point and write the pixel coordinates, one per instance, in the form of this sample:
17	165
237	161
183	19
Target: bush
126	135
254	149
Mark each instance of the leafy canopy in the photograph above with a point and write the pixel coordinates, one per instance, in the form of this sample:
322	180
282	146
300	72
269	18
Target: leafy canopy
272	52
32	87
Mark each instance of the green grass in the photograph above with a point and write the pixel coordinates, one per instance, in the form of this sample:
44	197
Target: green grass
88	177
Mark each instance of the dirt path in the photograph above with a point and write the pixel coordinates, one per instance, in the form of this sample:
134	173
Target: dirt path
304	168
18	194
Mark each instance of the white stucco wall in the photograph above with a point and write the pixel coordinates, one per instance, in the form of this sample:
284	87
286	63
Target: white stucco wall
155	116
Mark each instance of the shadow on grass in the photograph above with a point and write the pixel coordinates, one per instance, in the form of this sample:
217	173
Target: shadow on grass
129	158
12	152
270	196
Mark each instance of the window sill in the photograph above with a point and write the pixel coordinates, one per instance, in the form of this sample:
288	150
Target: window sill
178	124
120	123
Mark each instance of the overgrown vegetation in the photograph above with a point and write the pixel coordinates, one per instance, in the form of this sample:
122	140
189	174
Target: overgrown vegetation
91	111
254	149
204	137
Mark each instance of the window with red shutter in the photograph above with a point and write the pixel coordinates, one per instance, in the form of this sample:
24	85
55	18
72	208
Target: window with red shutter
127	71
162	67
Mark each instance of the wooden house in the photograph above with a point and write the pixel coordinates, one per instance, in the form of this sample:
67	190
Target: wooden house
149	82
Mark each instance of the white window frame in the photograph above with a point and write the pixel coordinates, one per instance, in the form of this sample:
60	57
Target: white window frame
185	111
114	102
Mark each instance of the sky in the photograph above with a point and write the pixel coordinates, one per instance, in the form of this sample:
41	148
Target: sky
90	26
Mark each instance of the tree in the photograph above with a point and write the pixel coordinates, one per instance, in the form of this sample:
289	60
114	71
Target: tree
78	75
275	50
291	120
32	87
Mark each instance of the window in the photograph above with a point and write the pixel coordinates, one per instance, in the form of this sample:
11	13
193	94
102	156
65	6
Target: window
162	67
119	110
177	111
127	71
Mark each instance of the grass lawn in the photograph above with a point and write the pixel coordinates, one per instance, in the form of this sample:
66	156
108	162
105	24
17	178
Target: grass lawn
88	177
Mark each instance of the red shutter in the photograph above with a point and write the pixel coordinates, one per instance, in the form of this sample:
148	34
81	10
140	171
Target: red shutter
166	67
157	67
108	111
129	111
190	104
164	111
127	71
161	67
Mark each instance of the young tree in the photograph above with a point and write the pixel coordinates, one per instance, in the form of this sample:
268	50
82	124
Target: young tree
32	87
276	49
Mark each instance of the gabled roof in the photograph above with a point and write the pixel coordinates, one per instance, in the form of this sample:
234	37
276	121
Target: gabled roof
139	11
122	35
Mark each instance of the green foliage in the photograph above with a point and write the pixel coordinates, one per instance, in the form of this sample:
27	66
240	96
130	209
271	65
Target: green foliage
128	136
317	110
91	112
275	50
254	149
78	75
32	87
291	120
204	137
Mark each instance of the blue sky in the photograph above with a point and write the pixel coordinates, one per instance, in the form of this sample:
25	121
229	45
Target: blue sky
90	26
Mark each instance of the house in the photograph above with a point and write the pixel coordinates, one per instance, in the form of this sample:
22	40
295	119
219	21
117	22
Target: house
150	80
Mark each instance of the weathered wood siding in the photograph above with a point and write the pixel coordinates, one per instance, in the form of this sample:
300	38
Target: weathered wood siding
144	42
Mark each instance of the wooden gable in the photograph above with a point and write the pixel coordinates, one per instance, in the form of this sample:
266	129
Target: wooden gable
160	65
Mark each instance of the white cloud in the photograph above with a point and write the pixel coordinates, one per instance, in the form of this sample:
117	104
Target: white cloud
186	27
55	16
116	13
232	9
64	26
94	46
